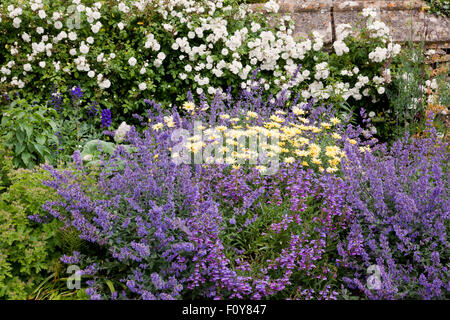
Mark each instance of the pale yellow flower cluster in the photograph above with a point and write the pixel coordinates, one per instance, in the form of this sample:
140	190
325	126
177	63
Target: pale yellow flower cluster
239	143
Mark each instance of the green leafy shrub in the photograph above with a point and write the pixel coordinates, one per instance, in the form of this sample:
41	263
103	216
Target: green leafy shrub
37	134
28	251
5	167
29	132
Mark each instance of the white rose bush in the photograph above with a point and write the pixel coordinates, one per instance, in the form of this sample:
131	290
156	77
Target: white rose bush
126	51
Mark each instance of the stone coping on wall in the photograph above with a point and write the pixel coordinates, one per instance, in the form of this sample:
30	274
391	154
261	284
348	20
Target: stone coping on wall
406	18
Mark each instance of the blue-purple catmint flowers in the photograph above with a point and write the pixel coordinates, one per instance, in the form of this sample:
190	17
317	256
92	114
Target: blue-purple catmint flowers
56	100
106	118
75	93
92	109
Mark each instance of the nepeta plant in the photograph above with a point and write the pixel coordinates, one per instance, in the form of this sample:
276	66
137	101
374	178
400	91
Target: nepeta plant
400	219
134	216
274	236
162	230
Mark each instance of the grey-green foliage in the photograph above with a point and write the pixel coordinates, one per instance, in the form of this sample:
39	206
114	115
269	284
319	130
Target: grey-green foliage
407	97
94	149
444	90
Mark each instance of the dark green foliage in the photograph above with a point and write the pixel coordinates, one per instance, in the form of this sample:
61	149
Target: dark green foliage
29	132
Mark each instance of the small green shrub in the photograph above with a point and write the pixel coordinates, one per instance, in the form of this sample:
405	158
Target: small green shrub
29	132
5	167
28	251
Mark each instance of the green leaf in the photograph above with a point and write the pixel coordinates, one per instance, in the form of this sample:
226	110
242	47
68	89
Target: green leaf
5	120
41	139
20	136
110	286
53	125
19	148
26	157
40	149
29	130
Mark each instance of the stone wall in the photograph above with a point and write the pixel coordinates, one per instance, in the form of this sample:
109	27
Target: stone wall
405	18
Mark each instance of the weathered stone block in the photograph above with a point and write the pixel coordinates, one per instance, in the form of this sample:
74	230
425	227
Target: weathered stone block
291	6
306	22
406	24
404	17
417	25
386	5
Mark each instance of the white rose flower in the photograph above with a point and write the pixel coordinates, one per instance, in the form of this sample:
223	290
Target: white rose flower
105	84
271	6
42	14
161	56
56	65
16	22
96	15
62	35
123	7
211	90
434	85
157	63
72	36
306	94
340	47
96	27
27	67
42	64
132	61
56	16
26	37
91	74
90	40
142	86
58	25
84	48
